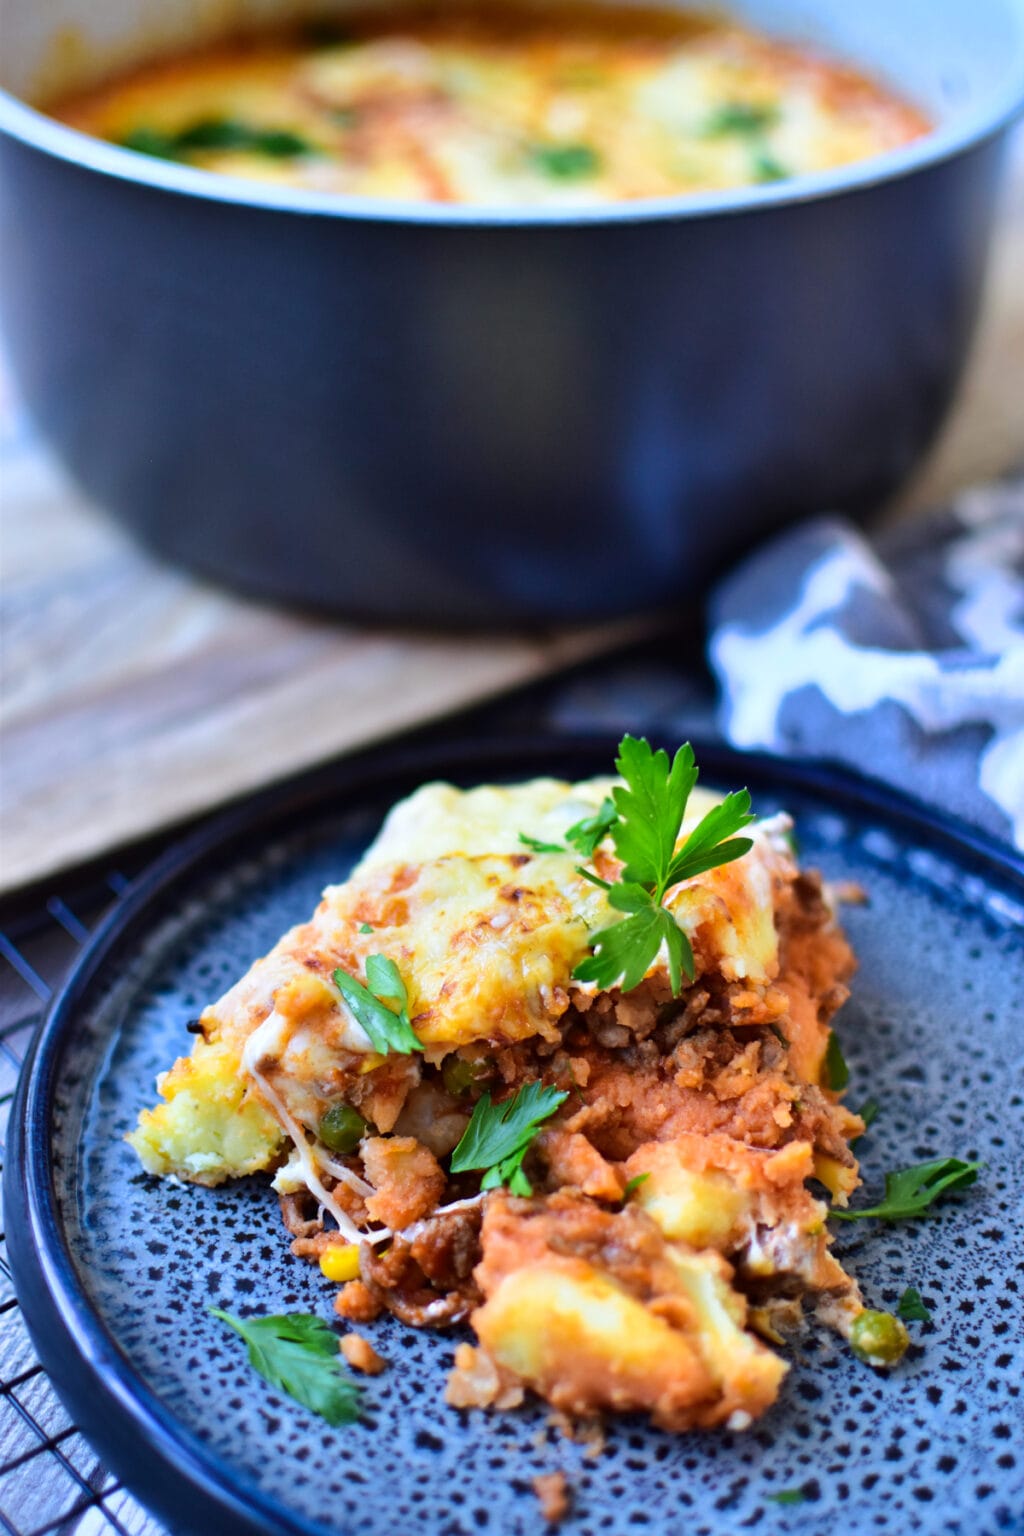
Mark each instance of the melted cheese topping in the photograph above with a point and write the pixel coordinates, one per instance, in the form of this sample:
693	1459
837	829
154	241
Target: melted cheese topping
502	106
485	933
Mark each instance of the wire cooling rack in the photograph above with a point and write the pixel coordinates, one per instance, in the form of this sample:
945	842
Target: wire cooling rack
51	1480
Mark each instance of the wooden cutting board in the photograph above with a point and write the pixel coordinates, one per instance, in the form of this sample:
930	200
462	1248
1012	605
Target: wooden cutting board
134	697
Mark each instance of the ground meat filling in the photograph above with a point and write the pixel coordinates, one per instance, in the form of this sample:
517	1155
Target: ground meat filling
426	1280
723	1061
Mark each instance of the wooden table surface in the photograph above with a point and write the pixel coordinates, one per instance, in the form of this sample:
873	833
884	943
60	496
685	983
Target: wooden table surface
134	697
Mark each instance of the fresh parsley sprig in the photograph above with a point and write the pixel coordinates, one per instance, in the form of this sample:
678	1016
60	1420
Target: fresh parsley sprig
299	1354
650	806
910	1192
498	1136
387	1029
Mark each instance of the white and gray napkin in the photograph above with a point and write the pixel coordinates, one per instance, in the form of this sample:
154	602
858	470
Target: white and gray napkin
902	657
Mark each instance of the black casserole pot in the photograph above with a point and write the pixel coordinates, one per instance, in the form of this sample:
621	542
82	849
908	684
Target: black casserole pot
426	412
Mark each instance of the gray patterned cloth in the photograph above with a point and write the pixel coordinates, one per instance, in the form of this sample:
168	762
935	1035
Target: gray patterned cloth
903	658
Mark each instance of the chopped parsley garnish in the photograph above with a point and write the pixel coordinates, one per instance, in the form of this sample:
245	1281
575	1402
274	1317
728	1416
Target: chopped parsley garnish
299	1354
591	830
911	1308
743	117
365	927
767	168
910	1192
650	807
149	141
536	846
214	133
787	1496
218	133
837	1073
498	1136
633	1184
751	121
388	1030
565	162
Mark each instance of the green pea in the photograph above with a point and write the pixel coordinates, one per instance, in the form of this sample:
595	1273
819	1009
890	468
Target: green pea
460	1075
341	1128
878	1338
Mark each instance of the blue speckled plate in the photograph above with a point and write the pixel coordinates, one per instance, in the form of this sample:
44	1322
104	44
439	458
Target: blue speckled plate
115	1270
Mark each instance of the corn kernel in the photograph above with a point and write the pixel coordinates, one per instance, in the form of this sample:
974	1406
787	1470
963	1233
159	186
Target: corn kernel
839	1180
340	1262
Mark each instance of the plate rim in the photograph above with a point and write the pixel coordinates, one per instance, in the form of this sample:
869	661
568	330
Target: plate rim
156	1456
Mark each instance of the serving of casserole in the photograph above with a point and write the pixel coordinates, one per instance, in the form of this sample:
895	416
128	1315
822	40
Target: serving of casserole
556	1060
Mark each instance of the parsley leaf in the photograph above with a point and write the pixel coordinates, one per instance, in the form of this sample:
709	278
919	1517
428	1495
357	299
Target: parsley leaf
226	133
365	927
388	1031
214	133
633	1184
385	981
910	1192
628	949
787	1496
749	120
565	162
299	1354
869	1112
498	1136
911	1308
150	141
591	830
740	117
650	806
837	1073
767	168
705	848
218	133
536	846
